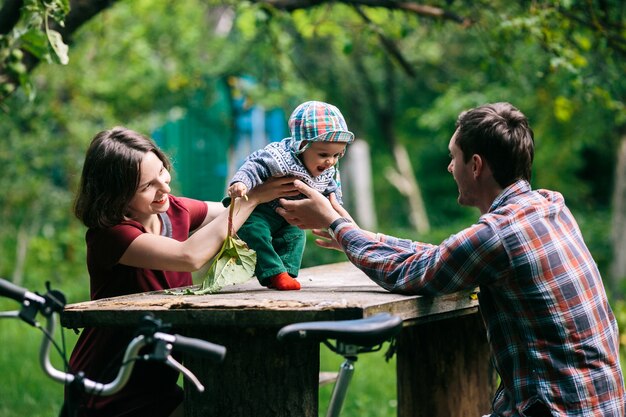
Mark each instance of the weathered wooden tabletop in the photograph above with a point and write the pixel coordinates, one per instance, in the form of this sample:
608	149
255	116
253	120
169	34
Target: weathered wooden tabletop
245	318
329	292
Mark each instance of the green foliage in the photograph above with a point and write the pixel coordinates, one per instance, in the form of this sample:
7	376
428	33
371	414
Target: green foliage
40	240
30	392
34	35
595	227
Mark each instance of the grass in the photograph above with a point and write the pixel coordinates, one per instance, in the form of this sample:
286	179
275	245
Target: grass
372	391
26	391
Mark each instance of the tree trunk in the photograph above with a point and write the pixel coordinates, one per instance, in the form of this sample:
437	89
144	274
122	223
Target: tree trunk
25	232
618	265
404	180
356	184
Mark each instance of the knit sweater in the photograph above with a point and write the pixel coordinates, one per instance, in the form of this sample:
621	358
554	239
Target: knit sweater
277	160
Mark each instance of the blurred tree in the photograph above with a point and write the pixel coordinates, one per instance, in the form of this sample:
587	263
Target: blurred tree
401	72
558	25
618	264
32	31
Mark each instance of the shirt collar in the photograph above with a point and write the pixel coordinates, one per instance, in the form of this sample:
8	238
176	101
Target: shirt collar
517	188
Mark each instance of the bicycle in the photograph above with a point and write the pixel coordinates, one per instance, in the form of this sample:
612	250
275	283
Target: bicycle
351	338
151	332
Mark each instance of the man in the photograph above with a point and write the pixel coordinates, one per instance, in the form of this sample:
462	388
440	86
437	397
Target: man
552	333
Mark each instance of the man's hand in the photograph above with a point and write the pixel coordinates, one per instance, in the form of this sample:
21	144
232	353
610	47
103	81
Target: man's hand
339	208
326	240
313	212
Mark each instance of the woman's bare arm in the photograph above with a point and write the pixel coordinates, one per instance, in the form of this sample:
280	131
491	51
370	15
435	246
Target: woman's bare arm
162	253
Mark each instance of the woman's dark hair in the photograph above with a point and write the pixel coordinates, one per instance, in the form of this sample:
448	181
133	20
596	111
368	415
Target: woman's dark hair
500	134
111	175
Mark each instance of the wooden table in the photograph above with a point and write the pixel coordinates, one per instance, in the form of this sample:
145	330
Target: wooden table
442	358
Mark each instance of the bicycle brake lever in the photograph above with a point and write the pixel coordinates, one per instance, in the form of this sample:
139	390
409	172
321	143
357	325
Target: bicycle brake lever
173	363
55	301
162	353
149	325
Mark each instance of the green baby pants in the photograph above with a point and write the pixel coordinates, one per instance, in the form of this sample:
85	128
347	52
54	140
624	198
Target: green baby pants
279	246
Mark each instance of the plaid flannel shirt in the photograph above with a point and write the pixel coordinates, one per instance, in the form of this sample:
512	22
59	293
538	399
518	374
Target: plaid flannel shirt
552	333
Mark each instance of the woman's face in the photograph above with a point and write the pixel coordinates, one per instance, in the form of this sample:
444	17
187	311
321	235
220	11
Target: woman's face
320	156
151	196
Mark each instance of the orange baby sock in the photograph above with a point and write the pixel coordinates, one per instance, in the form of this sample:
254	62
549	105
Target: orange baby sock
284	282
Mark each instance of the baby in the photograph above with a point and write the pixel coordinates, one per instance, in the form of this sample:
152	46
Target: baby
319	137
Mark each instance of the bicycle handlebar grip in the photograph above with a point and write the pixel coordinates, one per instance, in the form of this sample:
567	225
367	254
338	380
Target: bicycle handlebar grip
199	347
10	290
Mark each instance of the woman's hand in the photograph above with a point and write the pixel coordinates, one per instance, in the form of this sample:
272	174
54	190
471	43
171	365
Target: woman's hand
276	187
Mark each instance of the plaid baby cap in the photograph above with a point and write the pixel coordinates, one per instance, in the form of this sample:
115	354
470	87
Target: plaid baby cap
316	121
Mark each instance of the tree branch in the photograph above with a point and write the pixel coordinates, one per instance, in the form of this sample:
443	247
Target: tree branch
418	9
614	37
9	15
388	44
81	11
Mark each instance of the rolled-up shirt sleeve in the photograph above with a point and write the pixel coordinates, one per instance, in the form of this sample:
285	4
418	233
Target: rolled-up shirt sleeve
462	261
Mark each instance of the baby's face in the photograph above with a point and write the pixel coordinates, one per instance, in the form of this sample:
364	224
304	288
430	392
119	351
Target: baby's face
320	156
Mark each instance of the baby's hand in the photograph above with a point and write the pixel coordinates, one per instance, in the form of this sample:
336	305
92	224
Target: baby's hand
238	189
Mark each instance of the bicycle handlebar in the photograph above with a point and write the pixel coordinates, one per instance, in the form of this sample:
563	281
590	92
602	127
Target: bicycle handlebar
150	333
33	303
12	291
199	347
164	343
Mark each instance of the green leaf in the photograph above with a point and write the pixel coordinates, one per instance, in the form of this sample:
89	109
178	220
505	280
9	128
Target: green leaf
59	47
35	42
233	265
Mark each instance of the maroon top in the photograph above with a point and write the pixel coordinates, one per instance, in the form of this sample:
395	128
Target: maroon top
152	389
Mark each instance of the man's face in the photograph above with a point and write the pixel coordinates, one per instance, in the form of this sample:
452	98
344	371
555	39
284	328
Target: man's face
463	174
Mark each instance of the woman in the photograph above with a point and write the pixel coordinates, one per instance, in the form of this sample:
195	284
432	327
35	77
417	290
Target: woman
139	239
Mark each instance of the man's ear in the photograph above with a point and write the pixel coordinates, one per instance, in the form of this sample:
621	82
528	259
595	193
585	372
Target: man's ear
478	165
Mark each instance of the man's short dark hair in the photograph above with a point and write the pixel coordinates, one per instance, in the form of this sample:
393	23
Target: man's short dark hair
500	134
